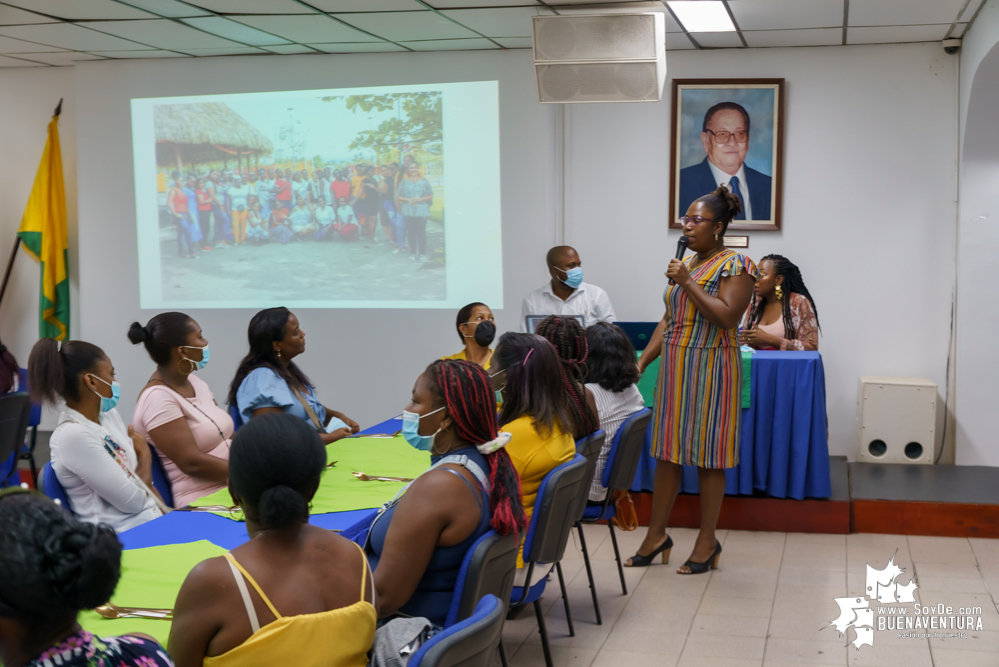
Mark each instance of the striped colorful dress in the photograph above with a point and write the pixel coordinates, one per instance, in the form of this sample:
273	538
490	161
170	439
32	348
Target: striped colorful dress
697	406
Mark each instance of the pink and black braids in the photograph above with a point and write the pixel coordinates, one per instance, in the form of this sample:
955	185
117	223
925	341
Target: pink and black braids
467	393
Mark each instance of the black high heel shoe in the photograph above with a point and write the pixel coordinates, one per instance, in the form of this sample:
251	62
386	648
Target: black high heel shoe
710	564
645	561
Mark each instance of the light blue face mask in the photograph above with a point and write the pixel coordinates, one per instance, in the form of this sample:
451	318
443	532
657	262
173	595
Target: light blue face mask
411	430
204	356
499	392
573	277
109	403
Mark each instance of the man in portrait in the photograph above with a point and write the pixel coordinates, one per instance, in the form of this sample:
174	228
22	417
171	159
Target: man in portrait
725	137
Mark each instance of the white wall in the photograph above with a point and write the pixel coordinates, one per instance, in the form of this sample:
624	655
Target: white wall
869	212
363	362
28	97
977	307
869	202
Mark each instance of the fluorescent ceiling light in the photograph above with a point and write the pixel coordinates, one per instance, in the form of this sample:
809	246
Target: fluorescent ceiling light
702	15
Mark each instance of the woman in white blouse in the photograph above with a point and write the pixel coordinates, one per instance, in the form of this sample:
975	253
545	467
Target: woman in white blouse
104	466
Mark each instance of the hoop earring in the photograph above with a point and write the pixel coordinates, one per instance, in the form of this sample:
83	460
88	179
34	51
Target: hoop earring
180	370
716	237
779	292
279	354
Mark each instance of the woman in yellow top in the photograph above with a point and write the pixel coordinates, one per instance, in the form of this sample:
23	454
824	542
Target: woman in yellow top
527	372
310	598
477	329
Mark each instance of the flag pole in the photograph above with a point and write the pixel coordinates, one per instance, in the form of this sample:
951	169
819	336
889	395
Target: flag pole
10	265
17	239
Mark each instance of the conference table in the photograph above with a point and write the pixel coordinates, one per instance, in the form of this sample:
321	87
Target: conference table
159	554
783	444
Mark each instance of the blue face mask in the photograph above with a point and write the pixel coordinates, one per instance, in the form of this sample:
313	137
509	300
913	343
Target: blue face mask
411	430
109	403
204	356
573	277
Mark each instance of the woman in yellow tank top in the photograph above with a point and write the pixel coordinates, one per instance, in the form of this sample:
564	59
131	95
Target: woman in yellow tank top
477	329
310	599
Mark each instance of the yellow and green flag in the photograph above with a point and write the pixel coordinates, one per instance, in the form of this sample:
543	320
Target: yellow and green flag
43	235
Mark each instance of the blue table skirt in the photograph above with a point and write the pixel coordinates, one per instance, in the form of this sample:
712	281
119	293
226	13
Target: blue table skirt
182	527
783	448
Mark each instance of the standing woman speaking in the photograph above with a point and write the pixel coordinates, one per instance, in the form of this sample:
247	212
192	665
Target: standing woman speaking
697	402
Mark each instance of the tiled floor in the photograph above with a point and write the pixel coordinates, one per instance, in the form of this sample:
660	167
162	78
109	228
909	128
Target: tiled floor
767	604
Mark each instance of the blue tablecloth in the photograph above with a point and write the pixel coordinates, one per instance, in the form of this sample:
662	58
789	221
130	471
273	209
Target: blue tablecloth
783	449
182	527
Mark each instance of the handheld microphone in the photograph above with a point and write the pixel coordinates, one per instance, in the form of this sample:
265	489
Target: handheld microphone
681	247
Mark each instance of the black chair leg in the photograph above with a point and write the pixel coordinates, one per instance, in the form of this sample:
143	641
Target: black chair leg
543	631
502	653
617	555
565	600
589	573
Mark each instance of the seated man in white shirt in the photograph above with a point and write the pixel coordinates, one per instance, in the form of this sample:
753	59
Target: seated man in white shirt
566	293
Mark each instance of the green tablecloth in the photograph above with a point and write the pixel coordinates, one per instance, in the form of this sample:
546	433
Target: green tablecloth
647	385
150	578
339	490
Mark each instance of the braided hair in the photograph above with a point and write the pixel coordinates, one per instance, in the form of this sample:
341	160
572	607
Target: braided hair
569	339
793	284
466	391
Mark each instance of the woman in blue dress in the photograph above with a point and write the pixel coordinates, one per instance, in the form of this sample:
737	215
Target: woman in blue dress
269	381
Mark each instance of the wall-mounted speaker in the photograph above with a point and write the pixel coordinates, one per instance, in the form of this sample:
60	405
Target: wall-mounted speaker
600	58
896	420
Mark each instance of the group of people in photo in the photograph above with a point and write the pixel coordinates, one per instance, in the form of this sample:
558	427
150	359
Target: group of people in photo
383	203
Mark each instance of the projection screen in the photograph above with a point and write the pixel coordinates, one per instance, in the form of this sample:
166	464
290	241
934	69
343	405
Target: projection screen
380	197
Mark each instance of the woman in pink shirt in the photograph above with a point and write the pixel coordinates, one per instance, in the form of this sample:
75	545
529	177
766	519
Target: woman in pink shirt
177	411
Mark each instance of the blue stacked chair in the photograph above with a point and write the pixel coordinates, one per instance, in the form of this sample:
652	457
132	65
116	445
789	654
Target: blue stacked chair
622	463
555	510
468	643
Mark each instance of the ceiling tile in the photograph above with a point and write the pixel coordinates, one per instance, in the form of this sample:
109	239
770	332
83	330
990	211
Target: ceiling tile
370	5
163	34
398	26
903	12
236	31
717	40
623	8
60	59
450	4
254	6
896	34
812	37
502	22
235	51
13	62
130	55
677	41
68	36
358	47
81	10
288	49
8	45
594	2
170	8
15	16
451	45
515	42
783	14
970	10
307	29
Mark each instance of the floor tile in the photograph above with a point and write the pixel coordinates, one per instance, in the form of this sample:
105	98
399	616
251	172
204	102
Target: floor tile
529	655
816	538
735	607
951	585
796	651
702	661
959	658
950	550
729	626
665	643
718	646
812	577
720	588
882	655
625	659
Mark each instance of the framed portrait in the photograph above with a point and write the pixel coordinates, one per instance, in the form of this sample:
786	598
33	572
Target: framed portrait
728	131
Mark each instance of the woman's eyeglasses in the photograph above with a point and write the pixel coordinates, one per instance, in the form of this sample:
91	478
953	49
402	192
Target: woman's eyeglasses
696	219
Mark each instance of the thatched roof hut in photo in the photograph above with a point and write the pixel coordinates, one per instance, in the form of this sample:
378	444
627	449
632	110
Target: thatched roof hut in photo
189	134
